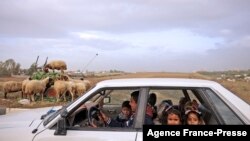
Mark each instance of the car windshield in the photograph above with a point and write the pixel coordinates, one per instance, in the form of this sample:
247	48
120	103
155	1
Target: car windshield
59	111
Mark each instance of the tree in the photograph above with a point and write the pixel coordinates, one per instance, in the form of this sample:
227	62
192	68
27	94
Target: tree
3	70
10	64
9	67
32	69
17	69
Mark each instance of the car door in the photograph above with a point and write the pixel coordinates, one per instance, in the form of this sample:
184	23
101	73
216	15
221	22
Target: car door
89	134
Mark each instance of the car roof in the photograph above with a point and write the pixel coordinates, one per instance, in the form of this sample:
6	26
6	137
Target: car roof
140	82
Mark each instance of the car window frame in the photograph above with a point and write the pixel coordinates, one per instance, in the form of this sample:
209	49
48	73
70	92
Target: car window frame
215	109
113	128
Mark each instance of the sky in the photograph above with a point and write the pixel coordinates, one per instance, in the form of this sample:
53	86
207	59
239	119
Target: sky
128	35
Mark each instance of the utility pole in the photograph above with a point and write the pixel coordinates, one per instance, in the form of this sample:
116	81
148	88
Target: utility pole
36	62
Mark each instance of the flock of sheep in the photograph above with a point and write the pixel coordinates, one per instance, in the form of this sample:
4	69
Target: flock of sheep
29	88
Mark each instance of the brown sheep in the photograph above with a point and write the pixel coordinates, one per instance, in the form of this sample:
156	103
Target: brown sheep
80	88
61	87
36	86
24	85
57	64
87	84
11	86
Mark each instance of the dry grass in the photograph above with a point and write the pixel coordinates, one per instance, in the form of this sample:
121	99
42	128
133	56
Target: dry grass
240	88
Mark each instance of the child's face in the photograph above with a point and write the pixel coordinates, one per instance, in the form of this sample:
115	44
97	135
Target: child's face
173	119
192	119
133	104
126	111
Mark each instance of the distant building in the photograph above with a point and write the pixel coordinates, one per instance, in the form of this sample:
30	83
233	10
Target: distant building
231	80
247	79
218	78
237	76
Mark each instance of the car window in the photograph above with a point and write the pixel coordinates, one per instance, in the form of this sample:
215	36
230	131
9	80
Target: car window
227	115
108	100
118	96
171	99
173	95
163	97
113	106
192	96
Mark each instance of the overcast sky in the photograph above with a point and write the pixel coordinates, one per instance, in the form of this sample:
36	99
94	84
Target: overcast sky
128	35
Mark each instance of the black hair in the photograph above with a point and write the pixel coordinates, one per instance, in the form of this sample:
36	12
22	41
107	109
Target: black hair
126	104
196	112
169	111
152	99
135	95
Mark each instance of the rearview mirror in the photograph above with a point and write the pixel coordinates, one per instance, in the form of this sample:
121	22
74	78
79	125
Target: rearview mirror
107	100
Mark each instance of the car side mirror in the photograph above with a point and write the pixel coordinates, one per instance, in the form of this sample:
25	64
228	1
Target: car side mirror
107	100
61	127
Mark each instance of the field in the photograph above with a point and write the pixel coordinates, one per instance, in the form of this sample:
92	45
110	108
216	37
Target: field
240	88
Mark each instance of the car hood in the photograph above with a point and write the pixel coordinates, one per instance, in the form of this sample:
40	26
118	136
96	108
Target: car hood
23	118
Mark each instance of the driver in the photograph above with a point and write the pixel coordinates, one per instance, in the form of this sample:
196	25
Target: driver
133	103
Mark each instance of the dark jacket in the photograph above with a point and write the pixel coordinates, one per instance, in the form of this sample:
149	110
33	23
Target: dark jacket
122	118
129	122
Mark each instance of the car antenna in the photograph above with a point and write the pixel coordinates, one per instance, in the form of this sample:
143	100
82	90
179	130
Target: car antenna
44	115
43	118
91	60
35	130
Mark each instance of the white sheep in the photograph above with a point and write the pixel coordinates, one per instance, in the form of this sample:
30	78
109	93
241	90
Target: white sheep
36	86
24	85
80	88
61	87
11	86
87	84
57	64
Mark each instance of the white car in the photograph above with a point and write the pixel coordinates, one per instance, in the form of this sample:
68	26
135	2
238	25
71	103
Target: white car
73	121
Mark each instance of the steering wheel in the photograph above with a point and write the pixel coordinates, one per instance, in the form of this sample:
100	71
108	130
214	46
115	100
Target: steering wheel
93	115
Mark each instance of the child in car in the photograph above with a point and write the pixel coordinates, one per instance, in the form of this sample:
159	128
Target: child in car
193	117
172	117
125	112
